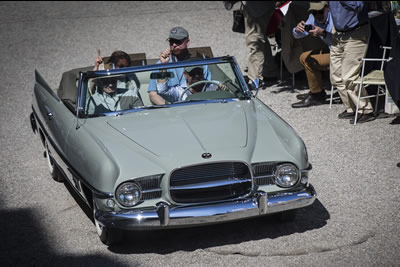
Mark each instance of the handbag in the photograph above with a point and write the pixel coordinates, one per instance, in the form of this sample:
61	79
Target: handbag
238	20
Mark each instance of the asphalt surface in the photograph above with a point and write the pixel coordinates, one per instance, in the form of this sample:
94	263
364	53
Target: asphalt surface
354	222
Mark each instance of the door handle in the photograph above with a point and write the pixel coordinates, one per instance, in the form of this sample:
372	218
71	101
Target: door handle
50	116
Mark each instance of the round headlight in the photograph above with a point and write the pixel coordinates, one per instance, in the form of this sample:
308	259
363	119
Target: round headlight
128	194
286	175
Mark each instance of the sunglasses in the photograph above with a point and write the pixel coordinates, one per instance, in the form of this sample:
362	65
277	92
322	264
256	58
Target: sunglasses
110	84
196	72
319	12
175	41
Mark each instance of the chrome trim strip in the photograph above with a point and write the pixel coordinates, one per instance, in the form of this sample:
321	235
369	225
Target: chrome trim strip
151	190
165	216
265	176
212	184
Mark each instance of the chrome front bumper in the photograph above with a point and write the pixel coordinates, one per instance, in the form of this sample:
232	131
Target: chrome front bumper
164	216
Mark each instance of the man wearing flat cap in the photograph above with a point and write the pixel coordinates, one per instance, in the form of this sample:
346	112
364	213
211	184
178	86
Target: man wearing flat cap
320	25
179	41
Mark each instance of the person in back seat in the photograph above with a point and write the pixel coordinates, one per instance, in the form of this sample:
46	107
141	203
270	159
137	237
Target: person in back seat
118	59
178	51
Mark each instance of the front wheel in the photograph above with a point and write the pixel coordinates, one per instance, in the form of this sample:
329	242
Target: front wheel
107	236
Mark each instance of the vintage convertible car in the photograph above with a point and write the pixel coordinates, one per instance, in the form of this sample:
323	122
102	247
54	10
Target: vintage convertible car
210	155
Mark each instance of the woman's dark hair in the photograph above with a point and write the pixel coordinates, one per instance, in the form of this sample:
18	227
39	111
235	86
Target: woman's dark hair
117	55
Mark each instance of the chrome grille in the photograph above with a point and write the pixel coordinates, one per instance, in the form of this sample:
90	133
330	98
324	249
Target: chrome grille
210	182
264	173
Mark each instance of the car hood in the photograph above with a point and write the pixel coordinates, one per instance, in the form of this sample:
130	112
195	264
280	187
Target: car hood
182	130
157	141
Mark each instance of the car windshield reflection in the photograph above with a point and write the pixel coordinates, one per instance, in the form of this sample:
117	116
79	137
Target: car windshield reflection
121	93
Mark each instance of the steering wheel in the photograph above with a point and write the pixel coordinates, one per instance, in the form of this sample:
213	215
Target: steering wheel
197	83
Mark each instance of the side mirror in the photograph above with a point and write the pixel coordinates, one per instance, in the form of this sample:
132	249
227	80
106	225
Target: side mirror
255	85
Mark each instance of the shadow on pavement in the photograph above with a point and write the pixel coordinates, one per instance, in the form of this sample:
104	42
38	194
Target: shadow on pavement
24	242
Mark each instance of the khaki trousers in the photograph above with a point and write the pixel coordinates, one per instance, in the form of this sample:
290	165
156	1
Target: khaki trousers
314	62
260	62
347	50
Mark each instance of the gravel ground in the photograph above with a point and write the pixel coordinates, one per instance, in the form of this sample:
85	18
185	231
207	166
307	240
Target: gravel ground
355	220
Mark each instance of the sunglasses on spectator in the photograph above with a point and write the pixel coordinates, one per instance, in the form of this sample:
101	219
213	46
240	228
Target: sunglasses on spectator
319	12
175	41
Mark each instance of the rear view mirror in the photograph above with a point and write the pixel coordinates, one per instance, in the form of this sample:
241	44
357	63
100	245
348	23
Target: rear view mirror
161	75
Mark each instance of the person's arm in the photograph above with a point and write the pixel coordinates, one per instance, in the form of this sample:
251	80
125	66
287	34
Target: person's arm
98	61
207	73
156	99
299	31
318	32
356	6
165	56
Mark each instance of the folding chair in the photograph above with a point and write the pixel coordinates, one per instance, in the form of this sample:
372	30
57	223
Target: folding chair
332	98
374	77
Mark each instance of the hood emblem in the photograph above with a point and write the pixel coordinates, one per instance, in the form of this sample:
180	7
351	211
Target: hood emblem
206	155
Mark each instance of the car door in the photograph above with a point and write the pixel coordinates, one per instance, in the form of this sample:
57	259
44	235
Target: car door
54	117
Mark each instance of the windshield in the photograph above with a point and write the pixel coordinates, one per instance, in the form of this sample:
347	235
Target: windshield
132	90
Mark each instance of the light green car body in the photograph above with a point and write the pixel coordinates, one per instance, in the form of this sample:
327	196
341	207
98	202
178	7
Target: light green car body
98	154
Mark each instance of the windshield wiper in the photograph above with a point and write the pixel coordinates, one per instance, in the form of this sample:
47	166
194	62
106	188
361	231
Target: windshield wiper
95	115
192	100
154	107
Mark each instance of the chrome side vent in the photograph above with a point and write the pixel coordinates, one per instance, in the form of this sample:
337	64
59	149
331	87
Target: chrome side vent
264	173
150	186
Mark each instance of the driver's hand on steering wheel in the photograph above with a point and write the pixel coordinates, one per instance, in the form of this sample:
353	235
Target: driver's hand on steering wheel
222	87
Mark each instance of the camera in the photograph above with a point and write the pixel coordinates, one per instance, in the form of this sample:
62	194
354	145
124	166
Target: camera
308	27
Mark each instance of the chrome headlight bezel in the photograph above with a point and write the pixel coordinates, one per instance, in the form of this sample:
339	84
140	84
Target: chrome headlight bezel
286	175
128	194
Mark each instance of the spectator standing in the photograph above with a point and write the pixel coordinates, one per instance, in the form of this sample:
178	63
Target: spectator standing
261	65
315	61
349	46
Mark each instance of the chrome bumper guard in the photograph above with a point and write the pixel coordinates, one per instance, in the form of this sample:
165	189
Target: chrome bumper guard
165	216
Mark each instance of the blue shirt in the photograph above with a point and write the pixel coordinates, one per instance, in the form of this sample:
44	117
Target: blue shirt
178	79
327	26
173	93
346	15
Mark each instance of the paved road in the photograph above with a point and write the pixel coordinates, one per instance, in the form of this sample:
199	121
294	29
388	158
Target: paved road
355	220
